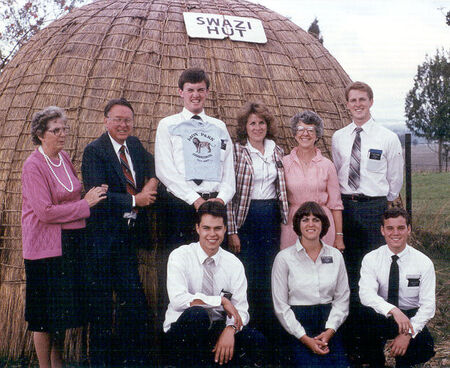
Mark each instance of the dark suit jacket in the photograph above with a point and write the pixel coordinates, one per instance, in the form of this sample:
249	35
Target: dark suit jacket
100	165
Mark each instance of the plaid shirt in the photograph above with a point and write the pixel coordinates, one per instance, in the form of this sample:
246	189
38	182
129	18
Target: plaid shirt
238	207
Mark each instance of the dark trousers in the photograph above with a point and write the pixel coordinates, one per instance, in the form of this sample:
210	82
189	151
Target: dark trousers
178	228
361	227
114	270
313	319
260	242
379	329
190	341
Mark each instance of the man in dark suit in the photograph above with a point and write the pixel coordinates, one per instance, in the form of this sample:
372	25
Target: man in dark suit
119	161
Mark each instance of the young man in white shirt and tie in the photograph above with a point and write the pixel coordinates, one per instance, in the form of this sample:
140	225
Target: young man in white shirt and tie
208	311
398	286
369	163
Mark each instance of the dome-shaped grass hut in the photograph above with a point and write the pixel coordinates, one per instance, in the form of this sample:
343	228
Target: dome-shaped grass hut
137	49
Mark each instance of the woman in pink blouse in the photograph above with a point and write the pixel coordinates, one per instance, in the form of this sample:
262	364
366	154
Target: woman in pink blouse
53	216
311	177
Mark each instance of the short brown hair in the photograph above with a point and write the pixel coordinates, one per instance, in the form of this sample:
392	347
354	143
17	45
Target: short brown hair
360	86
257	108
395	212
41	119
212	208
117	101
193	75
311	208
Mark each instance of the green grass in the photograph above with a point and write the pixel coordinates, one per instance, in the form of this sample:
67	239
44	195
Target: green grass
431	212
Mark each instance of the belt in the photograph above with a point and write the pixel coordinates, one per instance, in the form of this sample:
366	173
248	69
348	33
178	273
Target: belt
360	197
207	196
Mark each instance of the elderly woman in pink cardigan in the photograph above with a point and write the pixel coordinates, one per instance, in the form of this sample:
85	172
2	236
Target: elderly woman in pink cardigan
311	177
53	216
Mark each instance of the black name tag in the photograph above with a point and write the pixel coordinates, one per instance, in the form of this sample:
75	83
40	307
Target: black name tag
413	282
375	154
279	164
327	259
223	144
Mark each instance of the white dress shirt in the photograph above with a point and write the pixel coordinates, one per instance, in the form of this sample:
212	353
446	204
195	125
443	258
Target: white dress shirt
117	146
169	162
185	276
264	171
381	160
416	287
298	280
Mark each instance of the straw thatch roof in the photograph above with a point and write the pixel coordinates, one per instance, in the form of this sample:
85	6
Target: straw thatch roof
137	49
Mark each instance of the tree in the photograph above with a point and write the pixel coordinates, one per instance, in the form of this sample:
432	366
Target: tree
19	20
314	30
427	105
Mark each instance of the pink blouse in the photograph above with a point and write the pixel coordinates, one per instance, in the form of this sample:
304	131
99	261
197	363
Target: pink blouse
317	182
47	207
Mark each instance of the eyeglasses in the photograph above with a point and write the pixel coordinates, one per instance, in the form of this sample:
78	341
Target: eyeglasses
59	131
120	120
309	130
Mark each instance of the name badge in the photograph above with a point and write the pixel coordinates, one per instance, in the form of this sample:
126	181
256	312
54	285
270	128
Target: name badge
375	154
327	259
413	280
279	164
223	144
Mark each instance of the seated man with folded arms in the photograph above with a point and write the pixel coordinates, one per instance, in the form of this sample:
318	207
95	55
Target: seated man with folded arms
398	285
208	311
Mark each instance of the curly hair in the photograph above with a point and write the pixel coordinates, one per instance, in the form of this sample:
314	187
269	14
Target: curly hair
41	119
257	108
310	118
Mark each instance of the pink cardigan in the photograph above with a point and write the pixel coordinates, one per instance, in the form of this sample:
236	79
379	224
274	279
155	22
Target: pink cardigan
47	207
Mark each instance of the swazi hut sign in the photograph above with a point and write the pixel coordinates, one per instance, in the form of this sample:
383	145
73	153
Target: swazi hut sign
200	25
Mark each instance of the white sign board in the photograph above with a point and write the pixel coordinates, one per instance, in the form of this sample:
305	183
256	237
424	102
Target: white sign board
199	25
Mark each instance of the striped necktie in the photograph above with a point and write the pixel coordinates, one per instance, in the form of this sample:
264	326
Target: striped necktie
131	185
197	181
354	176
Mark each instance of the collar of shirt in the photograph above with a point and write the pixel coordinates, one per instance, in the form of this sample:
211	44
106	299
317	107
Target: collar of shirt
117	145
300	247
269	147
365	127
401	256
201	255
292	157
187	115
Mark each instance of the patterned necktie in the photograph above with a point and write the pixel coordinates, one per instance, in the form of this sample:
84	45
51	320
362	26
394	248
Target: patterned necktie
393	282
131	185
208	276
354	176
197	181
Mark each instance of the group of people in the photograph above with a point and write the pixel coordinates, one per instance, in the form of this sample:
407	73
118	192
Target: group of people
331	296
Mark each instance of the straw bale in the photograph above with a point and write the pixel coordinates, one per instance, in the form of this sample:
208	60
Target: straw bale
137	49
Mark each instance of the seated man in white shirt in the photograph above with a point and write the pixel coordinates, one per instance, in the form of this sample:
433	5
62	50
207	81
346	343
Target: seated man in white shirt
208	311
398	284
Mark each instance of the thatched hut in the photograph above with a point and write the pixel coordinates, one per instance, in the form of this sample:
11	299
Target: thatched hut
137	49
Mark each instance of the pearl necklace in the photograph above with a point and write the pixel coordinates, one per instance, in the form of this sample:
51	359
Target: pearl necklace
61	161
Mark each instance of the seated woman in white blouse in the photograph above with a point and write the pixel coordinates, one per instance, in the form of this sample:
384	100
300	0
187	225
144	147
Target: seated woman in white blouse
310	292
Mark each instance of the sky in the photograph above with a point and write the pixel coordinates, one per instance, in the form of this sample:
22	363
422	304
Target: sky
380	42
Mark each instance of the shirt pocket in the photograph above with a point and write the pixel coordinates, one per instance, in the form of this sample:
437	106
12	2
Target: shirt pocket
376	160
412	285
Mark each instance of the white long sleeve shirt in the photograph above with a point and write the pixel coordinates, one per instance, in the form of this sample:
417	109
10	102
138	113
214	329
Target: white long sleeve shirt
298	280
170	165
381	160
185	276
416	288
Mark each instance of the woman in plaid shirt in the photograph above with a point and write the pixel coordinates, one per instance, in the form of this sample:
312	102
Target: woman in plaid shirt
258	207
